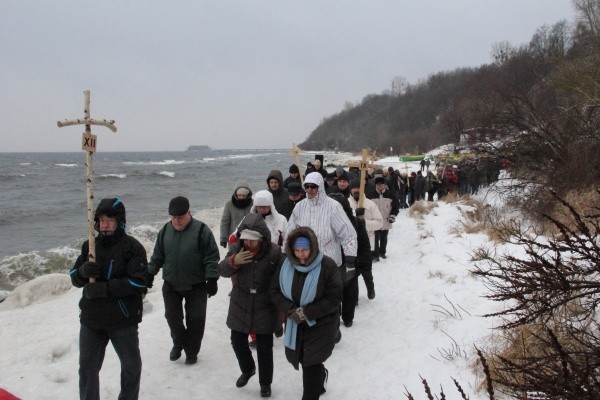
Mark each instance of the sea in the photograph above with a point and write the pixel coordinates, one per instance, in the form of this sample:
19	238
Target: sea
43	217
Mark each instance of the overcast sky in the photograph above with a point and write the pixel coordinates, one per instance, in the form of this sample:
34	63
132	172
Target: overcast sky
229	74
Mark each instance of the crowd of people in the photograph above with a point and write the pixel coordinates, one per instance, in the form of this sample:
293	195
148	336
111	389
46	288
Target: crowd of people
295	252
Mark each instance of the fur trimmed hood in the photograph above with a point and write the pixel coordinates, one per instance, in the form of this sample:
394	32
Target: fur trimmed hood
291	239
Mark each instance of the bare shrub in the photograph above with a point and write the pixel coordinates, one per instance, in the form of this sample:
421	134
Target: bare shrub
421	208
585	202
551	296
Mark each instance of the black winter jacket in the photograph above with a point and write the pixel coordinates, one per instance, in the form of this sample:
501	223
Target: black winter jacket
250	308
280	196
125	271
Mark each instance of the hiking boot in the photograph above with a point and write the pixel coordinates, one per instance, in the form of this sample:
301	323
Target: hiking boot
191	360
375	259
325	377
175	353
383	256
279	331
244	378
265	390
347	324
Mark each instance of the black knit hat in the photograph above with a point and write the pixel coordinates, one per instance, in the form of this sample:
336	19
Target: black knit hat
294	168
295	188
113	208
354	184
343	177
178	206
378	178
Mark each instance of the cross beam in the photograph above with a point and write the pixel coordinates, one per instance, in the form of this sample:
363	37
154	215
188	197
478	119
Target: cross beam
89	146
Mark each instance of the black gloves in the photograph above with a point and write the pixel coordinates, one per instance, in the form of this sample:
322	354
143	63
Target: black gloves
350	267
95	290
392	219
149	280
360	213
298	315
90	269
211	286
223	244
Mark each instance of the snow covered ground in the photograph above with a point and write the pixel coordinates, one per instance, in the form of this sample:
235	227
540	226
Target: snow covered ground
424	321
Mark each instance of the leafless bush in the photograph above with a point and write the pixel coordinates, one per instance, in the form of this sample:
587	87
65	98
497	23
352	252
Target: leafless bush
552	295
421	208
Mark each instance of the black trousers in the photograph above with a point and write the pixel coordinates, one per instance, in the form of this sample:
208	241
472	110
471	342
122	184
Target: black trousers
92	347
264	352
312	381
381	239
350	298
189	336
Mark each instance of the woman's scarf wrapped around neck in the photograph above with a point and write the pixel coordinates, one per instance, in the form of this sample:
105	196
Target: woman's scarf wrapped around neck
309	290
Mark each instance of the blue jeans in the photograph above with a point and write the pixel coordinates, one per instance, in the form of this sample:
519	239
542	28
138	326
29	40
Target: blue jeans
92	347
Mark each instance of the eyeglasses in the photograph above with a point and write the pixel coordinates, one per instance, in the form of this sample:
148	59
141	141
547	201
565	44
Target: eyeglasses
310	186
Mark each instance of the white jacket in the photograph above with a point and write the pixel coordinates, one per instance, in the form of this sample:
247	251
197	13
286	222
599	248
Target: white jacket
327	219
275	222
373	218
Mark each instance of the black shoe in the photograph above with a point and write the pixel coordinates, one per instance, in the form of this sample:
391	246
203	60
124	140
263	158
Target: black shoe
371	293
265	390
190	360
375	259
252	344
244	378
325	377
279	331
175	353
338	336
347	324
383	256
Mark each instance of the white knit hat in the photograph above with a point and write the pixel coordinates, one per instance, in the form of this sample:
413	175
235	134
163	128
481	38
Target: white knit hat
250	234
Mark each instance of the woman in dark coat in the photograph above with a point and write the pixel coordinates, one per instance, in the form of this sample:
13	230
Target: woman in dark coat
253	264
307	287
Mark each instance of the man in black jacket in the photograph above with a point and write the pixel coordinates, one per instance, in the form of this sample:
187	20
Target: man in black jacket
111	307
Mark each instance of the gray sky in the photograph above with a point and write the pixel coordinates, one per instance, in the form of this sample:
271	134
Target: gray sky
229	74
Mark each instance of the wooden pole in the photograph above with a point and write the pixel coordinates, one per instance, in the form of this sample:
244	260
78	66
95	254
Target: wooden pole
88	145
295	152
363	172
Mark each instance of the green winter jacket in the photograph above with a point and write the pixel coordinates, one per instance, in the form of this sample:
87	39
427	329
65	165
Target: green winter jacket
187	258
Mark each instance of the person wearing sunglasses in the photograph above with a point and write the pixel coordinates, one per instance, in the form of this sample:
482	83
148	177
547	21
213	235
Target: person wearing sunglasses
327	219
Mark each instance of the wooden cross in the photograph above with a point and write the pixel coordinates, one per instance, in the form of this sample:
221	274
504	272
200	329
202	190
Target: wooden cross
295	152
88	144
370	163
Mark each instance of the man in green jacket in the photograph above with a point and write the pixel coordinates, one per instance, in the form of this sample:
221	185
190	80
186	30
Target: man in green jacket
187	252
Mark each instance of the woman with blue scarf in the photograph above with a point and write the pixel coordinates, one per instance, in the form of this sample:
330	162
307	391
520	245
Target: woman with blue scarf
307	287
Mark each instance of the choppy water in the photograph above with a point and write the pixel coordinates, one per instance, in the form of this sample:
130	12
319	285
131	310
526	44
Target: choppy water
43	198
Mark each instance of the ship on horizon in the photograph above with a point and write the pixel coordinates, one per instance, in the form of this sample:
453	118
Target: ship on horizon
199	148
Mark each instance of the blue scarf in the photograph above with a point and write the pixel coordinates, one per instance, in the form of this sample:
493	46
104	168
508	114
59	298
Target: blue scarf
309	290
